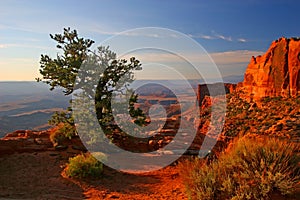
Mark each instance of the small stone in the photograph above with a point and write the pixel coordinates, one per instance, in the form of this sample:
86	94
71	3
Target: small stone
160	142
114	196
38	141
279	127
61	147
151	142
80	148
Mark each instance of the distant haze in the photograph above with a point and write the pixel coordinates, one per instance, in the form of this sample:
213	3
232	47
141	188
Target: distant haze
28	105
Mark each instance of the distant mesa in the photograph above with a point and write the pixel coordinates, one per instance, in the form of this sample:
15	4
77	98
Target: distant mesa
276	73
154	89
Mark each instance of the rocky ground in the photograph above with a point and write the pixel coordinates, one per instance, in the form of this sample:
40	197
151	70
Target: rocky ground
277	116
31	168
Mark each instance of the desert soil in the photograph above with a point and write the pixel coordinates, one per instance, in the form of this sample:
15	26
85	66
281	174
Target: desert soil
40	176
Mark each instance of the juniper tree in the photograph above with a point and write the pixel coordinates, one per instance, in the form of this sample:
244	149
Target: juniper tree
61	72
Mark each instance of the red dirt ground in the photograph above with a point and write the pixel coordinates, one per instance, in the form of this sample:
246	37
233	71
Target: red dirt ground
40	176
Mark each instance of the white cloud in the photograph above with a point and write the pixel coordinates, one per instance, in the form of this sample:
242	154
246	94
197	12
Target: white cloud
224	37
241	40
215	36
207	37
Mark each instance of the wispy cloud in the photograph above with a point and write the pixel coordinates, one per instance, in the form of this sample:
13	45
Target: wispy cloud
221	36
137	32
18	28
214	36
241	40
3	46
224	37
207	37
20	38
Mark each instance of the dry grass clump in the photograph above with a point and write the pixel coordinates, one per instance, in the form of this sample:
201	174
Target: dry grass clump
253	167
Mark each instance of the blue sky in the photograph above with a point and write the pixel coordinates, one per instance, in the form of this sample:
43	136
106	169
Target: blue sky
231	31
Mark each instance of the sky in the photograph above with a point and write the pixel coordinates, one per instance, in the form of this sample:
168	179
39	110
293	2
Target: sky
231	31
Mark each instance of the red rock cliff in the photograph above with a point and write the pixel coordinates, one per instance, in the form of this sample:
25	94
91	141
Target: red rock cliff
276	73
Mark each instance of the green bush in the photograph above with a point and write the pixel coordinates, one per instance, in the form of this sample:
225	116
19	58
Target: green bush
85	165
62	132
252	168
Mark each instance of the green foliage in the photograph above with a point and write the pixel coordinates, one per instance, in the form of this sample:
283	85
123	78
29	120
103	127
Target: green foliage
62	70
252	168
65	125
62	117
85	165
137	114
62	132
115	78
113	74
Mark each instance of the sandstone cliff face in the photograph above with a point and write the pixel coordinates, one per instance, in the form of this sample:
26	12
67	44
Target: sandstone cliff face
276	73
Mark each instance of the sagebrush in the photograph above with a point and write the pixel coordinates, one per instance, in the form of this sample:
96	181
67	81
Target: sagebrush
85	165
253	167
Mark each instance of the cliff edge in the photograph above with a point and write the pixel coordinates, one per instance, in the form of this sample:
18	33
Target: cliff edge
276	73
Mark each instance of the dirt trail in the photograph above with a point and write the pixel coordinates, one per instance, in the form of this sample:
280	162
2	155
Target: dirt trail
40	176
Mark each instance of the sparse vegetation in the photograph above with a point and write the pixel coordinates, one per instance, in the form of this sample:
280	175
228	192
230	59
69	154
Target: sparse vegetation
262	117
62	132
85	165
253	167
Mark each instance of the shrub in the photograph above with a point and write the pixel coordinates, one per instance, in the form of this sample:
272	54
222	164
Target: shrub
62	132
252	168
85	165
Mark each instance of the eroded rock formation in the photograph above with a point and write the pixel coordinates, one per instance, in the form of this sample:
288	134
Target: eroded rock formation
214	89
276	73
